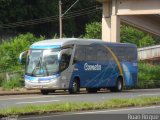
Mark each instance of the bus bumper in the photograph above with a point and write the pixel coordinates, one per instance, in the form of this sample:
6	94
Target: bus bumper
52	84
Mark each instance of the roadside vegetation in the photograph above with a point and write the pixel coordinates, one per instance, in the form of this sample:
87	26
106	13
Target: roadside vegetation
148	75
11	71
70	107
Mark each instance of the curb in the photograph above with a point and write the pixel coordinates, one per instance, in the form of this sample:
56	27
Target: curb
2	93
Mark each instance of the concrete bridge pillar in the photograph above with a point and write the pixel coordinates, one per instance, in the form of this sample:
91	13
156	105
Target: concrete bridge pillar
110	22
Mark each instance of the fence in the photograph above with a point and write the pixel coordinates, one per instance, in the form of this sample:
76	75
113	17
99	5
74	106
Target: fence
151	52
10	76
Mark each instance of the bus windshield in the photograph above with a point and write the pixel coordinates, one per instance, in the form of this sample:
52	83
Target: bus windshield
42	62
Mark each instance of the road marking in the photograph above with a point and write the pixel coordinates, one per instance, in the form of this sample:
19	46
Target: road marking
149	94
37	102
38	97
26	98
106	111
93	112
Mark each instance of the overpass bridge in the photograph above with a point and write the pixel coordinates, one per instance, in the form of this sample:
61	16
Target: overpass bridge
150	54
142	14
147	23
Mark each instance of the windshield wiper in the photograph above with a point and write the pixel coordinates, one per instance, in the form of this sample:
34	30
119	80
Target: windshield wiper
46	68
38	64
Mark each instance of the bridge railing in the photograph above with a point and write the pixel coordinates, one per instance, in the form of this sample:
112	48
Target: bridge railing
149	52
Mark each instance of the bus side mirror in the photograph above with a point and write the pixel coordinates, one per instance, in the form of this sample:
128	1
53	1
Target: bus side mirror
75	61
22	57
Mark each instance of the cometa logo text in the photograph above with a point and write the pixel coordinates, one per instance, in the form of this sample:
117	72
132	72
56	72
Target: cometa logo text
92	67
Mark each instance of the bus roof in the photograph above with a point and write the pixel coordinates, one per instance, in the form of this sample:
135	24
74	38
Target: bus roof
57	43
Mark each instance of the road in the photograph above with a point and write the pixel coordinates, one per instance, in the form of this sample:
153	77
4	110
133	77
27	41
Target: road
19	100
142	113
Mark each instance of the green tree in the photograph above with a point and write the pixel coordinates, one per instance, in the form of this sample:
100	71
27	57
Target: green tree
93	30
23	10
10	50
132	35
128	35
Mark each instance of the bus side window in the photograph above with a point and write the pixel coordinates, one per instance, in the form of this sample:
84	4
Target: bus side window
65	59
79	54
91	53
103	54
132	56
120	52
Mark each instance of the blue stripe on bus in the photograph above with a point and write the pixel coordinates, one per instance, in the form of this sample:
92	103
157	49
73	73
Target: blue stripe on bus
45	47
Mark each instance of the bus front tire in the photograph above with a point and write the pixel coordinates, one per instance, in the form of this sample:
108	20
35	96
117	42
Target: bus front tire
75	88
118	87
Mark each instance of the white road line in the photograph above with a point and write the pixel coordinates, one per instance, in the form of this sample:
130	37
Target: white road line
37	102
149	94
106	111
26	98
93	112
53	96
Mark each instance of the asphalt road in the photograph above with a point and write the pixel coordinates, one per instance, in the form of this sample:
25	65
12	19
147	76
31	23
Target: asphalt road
142	113
61	96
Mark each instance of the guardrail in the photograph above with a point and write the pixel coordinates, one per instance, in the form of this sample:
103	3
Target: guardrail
147	53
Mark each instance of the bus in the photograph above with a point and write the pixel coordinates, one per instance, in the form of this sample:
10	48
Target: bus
72	63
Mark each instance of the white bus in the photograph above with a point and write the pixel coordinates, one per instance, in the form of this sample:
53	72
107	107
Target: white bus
71	64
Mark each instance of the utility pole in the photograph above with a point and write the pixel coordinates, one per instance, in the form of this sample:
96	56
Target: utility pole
60	19
61	16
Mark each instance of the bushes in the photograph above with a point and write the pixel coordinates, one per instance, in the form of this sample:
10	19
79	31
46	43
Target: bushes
135	36
93	30
10	50
15	80
148	71
148	75
9	53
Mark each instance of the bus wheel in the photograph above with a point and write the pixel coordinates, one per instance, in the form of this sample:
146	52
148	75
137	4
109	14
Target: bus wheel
75	88
118	87
45	92
91	90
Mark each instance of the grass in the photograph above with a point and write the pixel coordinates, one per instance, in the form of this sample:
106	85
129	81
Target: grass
13	83
15	80
148	75
148	71
70	107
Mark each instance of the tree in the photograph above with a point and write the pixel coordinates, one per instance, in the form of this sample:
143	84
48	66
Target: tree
132	35
128	35
23	10
93	30
10	50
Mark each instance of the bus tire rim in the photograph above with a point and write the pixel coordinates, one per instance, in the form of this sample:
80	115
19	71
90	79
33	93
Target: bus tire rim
119	85
74	86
